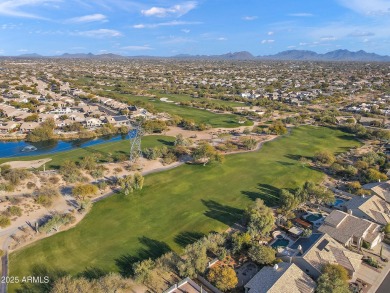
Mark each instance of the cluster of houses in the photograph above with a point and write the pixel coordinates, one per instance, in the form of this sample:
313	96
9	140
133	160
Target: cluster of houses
375	105
65	111
294	98
357	221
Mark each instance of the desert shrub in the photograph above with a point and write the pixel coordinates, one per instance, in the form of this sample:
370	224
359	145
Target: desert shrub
14	211
4	221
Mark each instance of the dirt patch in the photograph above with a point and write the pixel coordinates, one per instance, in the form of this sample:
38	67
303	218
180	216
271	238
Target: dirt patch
28	164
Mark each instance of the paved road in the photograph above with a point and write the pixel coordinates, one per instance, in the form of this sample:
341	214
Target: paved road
385	286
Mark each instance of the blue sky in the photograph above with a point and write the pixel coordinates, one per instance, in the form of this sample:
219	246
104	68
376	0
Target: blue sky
170	27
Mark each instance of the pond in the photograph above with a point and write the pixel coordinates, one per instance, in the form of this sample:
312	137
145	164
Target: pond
21	148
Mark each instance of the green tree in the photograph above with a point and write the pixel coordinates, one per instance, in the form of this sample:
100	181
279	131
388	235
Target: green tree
317	193
288	201
206	153
127	184
278	128
374	175
4	221
241	241
181	141
325	157
138	181
262	254
223	277
105	284
333	279
42	133
70	171
31	118
249	143
260	219
56	222
194	261
82	191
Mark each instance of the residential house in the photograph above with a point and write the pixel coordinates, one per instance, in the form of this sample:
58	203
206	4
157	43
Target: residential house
63	123
62	111
370	207
381	189
7	127
118	120
349	229
77	117
93	122
283	277
186	285
44	117
27	127
310	254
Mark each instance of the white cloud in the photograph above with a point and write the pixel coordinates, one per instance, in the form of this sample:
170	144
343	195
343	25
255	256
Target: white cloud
88	18
328	38
301	14
267	41
100	33
22	50
169	23
367	7
222	39
342	30
175	11
175	40
137	48
361	34
8	26
249	18
270	33
14	7
185	30
139	25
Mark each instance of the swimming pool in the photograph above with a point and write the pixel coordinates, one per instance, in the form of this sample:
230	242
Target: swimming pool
313	217
280	243
338	202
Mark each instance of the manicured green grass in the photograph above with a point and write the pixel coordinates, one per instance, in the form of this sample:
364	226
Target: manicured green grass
116	147
177	206
198	115
186	98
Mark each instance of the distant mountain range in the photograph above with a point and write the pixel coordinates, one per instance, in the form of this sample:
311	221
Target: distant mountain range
293	55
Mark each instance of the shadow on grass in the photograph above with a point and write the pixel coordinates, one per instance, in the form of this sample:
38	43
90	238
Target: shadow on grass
295	157
186	238
93	273
223	213
166	142
93	151
152	249
268	193
285	163
41	271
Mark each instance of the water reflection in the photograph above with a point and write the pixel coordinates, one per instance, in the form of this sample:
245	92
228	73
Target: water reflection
21	148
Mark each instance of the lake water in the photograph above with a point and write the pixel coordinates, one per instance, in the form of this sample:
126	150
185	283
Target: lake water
15	148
